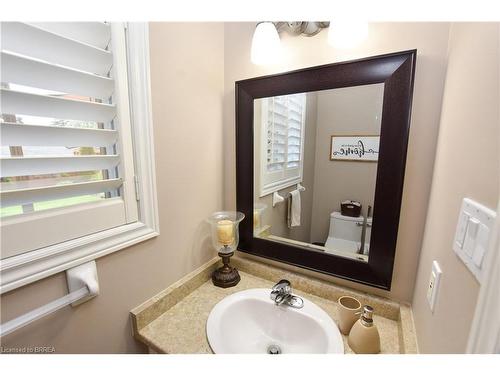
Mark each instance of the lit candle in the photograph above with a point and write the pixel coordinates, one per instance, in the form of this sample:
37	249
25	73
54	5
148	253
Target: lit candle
225	232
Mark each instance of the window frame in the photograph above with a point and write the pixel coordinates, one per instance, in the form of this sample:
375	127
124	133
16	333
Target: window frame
31	266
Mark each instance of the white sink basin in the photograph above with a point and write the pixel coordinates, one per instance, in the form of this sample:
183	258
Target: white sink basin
250	322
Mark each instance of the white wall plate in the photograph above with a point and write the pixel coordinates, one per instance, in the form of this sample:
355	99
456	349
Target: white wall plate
475	224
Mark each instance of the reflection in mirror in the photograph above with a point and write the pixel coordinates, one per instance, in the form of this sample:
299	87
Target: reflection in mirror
315	168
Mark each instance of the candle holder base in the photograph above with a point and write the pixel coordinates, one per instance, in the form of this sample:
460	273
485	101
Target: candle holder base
225	276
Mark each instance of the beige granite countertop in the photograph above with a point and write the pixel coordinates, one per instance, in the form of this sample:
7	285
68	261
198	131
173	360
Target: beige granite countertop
179	326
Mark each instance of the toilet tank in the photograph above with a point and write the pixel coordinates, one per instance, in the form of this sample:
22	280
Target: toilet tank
345	227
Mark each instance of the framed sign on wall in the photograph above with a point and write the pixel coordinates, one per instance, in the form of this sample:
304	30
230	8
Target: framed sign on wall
354	147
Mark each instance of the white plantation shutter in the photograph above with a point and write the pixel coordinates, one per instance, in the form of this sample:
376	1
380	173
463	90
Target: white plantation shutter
277	124
65	131
296	116
283	121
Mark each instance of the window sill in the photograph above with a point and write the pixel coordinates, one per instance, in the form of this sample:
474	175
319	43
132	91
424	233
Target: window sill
280	185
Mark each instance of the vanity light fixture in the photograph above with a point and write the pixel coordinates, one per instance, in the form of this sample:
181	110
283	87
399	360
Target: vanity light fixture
266	44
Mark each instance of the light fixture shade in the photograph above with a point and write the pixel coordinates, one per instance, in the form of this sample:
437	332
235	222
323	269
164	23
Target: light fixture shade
266	45
347	33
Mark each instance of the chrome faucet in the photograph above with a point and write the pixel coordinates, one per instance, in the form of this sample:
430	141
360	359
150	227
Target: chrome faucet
281	294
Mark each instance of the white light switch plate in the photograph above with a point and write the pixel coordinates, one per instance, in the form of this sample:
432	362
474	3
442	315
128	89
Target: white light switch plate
475	223
432	288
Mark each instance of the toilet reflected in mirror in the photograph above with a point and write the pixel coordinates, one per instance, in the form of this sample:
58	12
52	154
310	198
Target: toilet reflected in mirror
315	168
346	234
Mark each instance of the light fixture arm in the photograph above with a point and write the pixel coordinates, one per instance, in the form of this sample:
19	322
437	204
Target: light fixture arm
303	28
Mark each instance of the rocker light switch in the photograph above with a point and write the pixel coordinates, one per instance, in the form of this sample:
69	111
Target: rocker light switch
463	221
470	237
481	243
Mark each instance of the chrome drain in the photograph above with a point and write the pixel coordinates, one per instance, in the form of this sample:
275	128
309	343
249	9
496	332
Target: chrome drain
273	349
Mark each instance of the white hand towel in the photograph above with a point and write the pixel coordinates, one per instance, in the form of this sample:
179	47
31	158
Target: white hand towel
296	208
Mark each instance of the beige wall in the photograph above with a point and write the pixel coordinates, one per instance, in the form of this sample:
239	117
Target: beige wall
431	41
345	111
187	68
277	216
467	165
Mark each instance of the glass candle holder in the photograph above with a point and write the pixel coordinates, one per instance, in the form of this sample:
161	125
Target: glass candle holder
224	230
225	238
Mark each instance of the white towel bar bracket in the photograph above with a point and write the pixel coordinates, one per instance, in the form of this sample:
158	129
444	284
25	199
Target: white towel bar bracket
84	275
278	198
82	286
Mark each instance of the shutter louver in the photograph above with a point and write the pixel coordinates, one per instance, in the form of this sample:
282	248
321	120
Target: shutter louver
35	73
37	43
43	135
54	107
58	124
26	196
97	34
40	165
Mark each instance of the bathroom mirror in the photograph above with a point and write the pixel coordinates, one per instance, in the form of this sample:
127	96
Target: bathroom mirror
315	168
321	155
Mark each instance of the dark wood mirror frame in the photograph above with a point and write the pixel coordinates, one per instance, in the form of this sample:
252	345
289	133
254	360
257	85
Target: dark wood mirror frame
396	71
